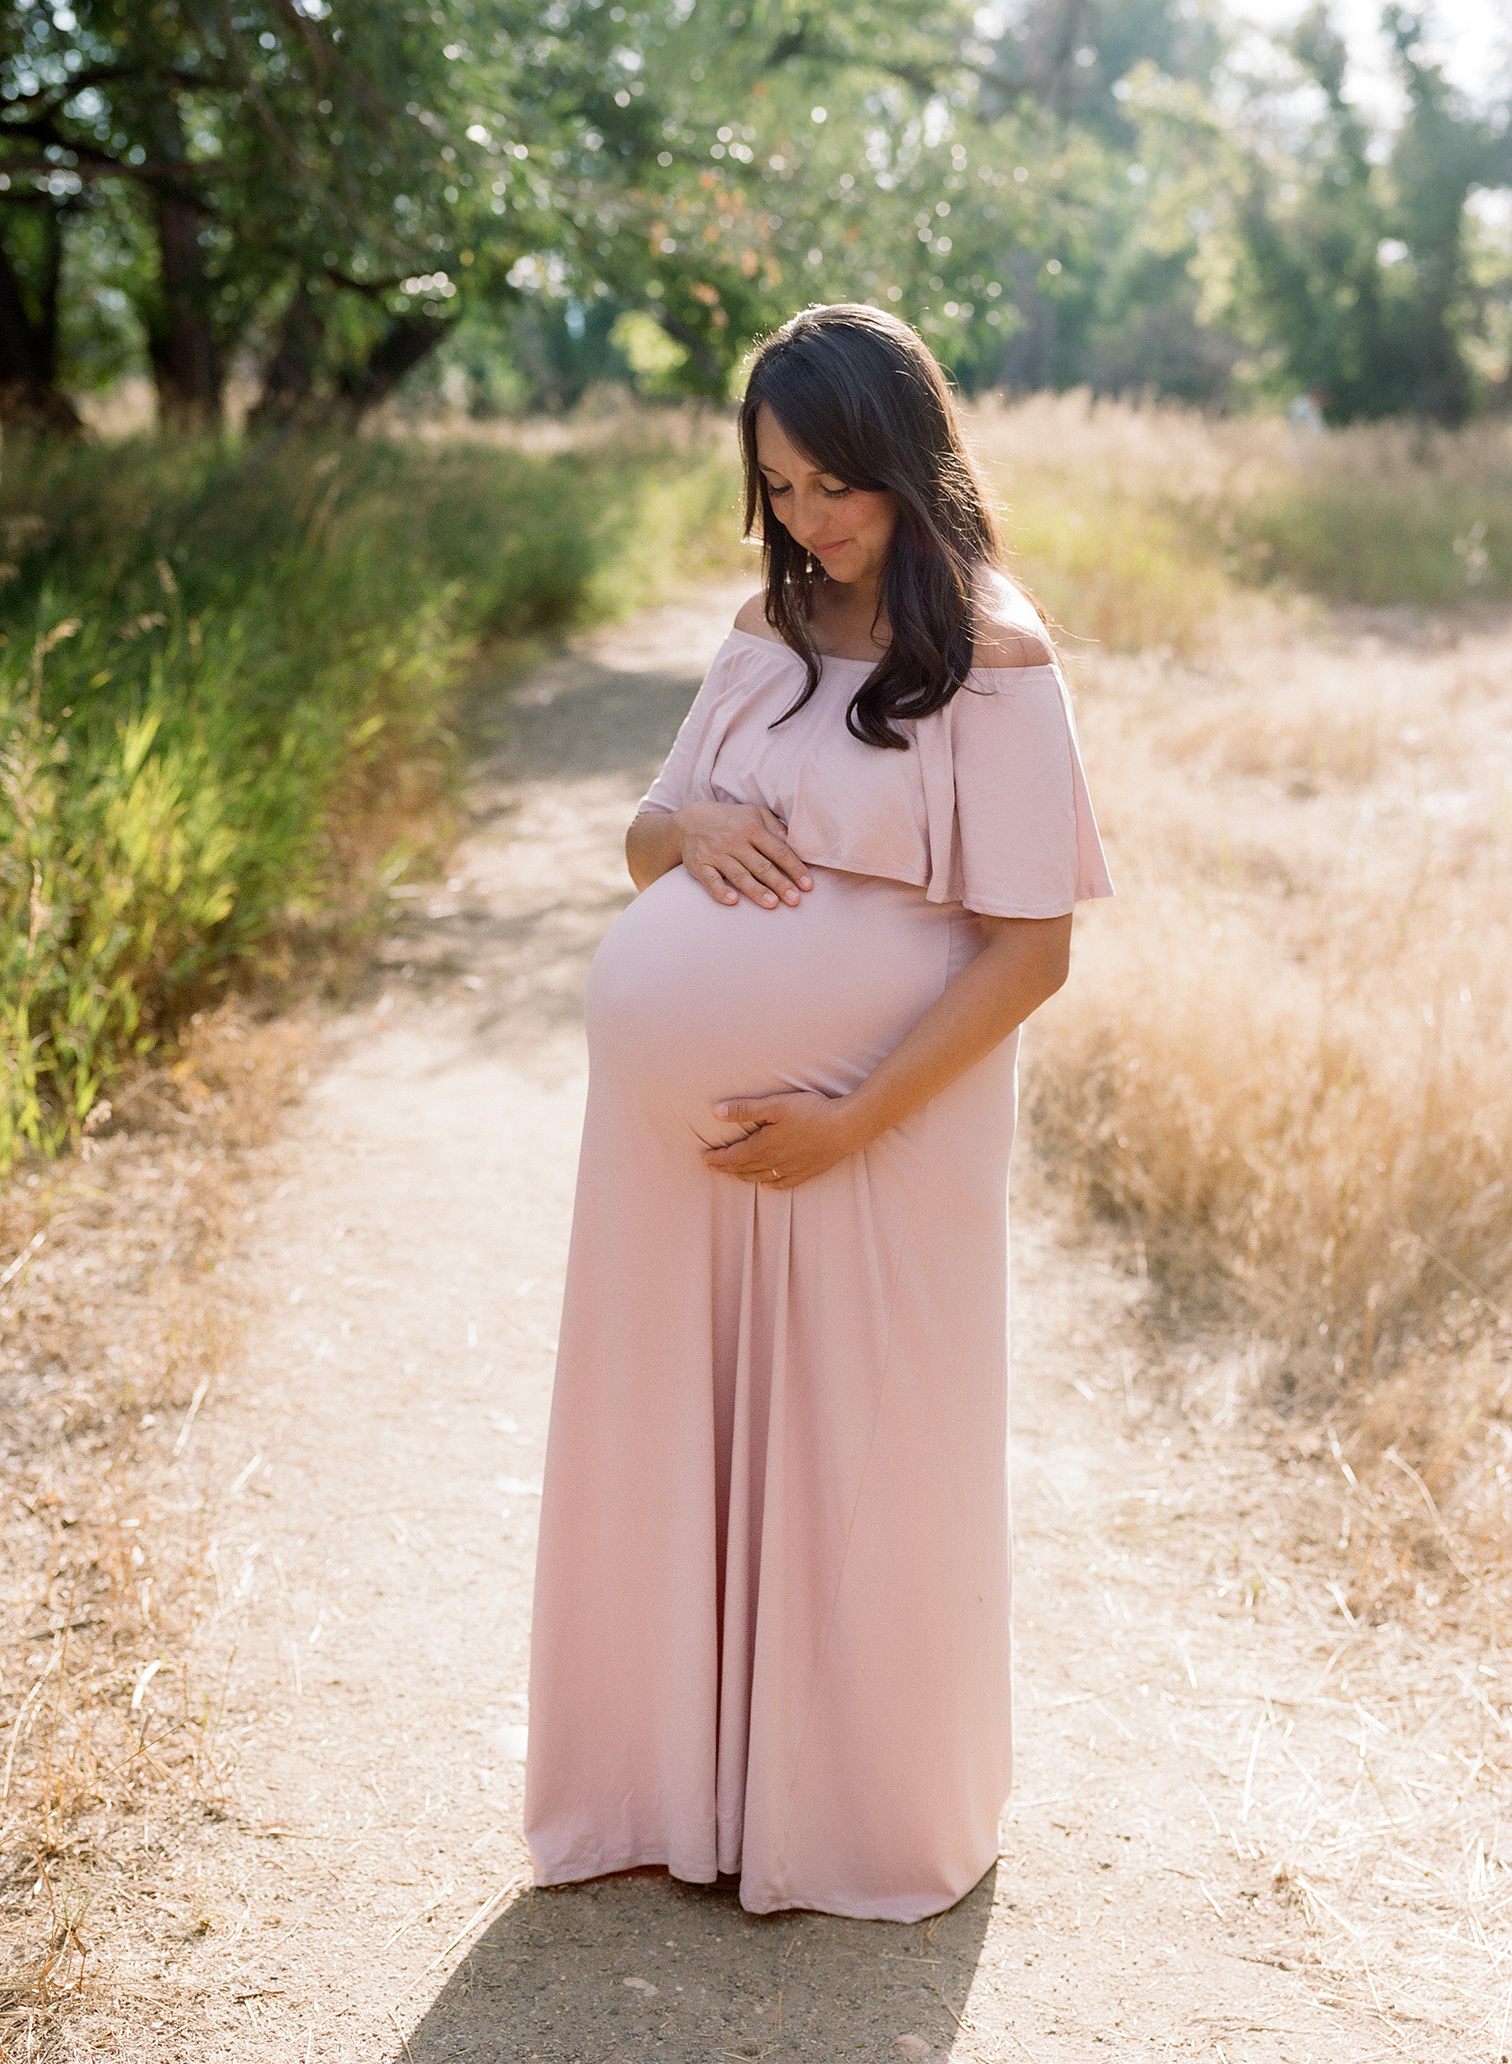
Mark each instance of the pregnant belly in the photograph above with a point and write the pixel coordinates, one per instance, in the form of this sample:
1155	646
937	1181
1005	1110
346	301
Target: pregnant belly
690	1000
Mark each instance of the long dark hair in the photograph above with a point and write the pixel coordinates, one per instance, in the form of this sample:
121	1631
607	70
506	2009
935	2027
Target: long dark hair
863	396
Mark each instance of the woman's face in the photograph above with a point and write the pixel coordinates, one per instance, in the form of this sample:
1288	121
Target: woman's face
848	529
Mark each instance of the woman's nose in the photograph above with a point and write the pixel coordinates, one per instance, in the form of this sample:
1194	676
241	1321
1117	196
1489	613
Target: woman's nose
805	523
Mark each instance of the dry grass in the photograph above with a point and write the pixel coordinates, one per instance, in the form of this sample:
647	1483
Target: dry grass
112	1331
1371	1799
1284	1067
1099	502
1149	529
1340	1760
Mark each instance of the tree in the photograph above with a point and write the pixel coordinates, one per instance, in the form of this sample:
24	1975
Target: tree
1112	101
31	267
322	186
1357	268
700	156
303	171
319	192
1072	57
1443	152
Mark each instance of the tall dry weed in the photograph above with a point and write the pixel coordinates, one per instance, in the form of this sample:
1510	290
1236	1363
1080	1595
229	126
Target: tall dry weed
113	1332
1284	1064
1146	527
1326	1148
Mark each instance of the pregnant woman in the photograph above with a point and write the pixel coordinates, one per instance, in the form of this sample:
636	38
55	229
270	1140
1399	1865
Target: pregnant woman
772	1607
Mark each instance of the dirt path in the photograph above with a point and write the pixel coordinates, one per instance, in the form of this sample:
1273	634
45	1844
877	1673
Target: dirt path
1182	1681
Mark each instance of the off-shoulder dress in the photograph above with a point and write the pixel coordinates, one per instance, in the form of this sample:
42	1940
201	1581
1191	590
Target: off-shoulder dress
771	1625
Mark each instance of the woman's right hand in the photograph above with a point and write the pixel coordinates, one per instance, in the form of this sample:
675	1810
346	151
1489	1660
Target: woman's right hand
740	849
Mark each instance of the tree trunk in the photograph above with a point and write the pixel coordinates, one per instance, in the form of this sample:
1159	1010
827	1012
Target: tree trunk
303	387
289	377
29	398
181	340
407	340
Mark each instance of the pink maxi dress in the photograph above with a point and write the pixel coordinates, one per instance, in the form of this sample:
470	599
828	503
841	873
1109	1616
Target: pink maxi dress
771	1625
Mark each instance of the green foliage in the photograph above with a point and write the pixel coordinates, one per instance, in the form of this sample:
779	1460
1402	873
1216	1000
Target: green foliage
1098	197
715	169
1355	266
123	860
225	691
1062	192
1078	63
1385	519
650	354
304	179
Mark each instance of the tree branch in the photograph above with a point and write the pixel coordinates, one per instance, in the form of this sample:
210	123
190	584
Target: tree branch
258	98
95	165
794	44
52	98
369	289
323	52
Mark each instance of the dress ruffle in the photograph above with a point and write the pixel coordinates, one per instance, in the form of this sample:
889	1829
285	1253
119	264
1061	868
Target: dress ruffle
988	807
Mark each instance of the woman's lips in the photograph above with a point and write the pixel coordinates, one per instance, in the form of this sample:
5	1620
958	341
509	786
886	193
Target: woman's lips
821	550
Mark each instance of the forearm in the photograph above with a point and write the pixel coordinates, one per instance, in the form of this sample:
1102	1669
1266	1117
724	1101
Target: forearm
731	849
1023	963
653	846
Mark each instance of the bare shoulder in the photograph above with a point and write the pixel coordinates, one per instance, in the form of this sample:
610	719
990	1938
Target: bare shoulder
1010	645
751	617
1009	632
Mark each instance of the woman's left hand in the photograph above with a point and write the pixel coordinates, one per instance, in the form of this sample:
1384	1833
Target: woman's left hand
799	1134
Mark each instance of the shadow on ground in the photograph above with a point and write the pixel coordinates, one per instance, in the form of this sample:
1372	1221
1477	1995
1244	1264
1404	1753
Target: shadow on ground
576	716
642	1966
564	753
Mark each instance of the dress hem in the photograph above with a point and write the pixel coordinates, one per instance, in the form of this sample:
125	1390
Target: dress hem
903	1911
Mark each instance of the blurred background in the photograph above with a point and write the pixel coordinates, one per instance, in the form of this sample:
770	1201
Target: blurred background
290	210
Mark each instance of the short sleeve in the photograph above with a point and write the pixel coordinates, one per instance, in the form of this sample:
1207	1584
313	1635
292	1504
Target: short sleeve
673	785
677	783
1024	837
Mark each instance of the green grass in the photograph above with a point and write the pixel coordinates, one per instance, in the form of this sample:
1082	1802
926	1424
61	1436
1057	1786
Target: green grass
1428	536
1143	527
225	691
1383	514
228	674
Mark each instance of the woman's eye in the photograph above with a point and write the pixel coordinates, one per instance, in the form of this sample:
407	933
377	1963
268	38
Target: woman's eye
774	492
834	494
